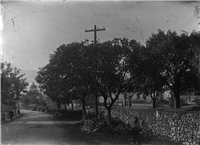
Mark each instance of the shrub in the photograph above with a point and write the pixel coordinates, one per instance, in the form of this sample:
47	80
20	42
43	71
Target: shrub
34	109
197	100
138	102
162	102
58	115
183	102
68	115
99	125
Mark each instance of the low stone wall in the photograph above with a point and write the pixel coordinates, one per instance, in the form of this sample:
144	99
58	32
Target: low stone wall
178	126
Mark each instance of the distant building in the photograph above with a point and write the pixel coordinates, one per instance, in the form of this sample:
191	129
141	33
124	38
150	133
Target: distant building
33	87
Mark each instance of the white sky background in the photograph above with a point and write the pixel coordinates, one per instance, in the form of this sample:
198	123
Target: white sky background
33	30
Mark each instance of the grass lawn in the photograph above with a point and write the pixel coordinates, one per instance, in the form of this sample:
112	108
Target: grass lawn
145	107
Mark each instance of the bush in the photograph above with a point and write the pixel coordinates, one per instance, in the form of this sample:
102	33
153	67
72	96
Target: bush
68	115
197	100
34	109
162	102
138	102
99	125
183	102
51	111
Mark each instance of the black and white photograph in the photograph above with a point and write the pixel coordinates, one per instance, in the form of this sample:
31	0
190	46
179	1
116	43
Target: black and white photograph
100	72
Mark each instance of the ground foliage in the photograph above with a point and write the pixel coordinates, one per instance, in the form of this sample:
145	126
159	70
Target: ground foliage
118	127
135	134
95	129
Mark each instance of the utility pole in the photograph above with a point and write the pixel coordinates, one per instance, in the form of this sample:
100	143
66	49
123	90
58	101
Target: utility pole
95	32
1	39
95	42
197	14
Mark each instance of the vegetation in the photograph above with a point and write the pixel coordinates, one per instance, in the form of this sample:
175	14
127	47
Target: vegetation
34	100
117	126
177	61
122	66
68	115
13	84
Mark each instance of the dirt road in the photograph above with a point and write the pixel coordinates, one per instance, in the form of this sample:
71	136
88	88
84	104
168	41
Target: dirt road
39	128
33	128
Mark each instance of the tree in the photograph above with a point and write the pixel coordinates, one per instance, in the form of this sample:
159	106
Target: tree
130	90
68	71
48	79
96	94
33	98
76	73
136	66
110	70
19	83
12	84
176	55
90	56
6	93
152	80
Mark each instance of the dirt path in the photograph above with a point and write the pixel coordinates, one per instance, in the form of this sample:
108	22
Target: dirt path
33	128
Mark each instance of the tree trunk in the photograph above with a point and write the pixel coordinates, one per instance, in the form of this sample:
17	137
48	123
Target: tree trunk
130	103
176	91
58	105
72	106
65	106
161	96
124	100
96	105
172	103
177	100
154	103
84	115
109	116
189	98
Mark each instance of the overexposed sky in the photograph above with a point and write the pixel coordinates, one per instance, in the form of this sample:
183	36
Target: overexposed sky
33	30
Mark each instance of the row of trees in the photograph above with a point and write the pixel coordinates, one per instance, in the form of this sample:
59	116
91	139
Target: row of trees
108	69
13	83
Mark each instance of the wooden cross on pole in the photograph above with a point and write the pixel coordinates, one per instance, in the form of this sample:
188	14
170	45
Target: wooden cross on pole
95	32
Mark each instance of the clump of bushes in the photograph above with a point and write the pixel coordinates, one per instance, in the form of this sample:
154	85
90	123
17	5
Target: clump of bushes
162	103
68	115
139	101
99	125
34	108
183	102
